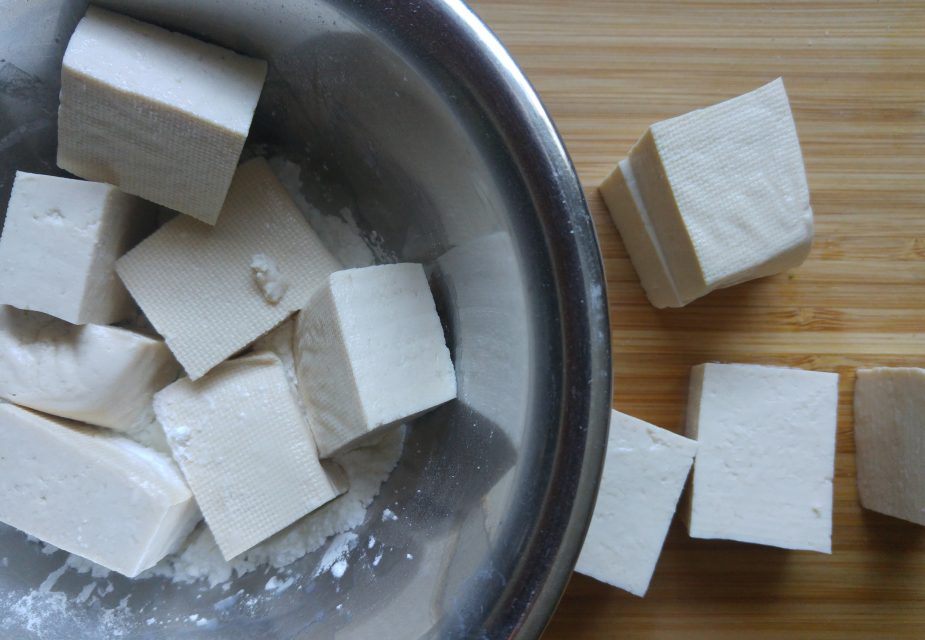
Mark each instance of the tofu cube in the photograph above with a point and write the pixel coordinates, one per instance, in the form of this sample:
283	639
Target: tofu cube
889	434
714	197
60	242
104	376
644	473
159	114
245	449
197	285
92	493
766	455
370	353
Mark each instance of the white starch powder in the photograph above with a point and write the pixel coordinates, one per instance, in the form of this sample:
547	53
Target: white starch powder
200	559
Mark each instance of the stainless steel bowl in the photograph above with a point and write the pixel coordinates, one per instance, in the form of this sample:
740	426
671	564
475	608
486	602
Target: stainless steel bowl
413	115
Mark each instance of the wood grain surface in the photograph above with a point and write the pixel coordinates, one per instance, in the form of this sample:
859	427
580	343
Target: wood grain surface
855	73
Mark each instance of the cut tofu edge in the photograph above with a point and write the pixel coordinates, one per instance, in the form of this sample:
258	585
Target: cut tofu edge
132	222
628	211
331	397
666	219
889	432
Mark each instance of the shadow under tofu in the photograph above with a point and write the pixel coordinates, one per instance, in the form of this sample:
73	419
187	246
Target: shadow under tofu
895	539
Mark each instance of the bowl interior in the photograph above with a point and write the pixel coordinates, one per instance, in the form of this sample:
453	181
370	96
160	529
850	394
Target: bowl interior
383	111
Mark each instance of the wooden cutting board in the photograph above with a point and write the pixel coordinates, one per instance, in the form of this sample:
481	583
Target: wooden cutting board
855	72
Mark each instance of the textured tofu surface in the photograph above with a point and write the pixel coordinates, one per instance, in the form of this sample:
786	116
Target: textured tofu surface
100	375
766	454
644	473
159	114
60	242
631	216
889	433
195	282
371	353
90	492
722	193
245	450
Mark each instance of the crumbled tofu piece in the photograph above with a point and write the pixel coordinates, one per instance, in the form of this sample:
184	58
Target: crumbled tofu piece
766	455
159	114
644	473
92	493
100	375
371	354
269	280
195	282
245	449
60	243
714	197
889	434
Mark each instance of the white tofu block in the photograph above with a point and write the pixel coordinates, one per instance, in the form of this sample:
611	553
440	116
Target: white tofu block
59	247
156	113
103	376
889	434
245	449
370	353
766	454
90	492
644	473
714	197
196	283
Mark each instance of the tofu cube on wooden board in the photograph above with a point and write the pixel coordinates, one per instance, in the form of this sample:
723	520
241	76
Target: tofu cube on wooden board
370	354
60	242
889	434
90	492
766	455
104	376
644	473
156	113
197	285
714	197
245	449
